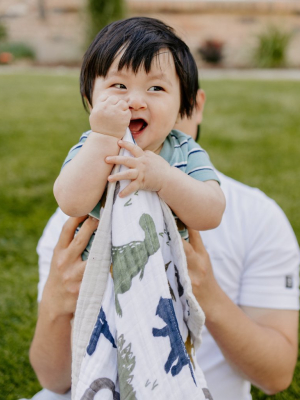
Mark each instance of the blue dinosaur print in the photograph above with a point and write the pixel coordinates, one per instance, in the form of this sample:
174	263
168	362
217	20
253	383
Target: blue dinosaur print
131	259
101	326
165	311
97	385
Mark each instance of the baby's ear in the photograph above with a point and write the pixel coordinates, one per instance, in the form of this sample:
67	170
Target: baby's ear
200	102
87	104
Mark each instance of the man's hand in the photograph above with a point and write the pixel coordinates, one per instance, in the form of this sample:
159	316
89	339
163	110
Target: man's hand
50	352
67	267
110	116
200	270
147	170
251	339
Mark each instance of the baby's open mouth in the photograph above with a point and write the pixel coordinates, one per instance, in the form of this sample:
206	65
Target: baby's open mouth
137	125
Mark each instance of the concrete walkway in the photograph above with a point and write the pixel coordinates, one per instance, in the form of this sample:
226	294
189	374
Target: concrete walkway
204	74
250	74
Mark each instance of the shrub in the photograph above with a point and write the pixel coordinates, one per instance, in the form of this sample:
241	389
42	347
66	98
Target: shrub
271	48
212	51
103	12
18	50
3	32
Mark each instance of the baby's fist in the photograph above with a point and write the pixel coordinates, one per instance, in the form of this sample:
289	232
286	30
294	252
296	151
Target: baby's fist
110	116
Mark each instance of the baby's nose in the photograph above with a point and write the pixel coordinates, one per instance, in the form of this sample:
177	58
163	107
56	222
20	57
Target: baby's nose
136	101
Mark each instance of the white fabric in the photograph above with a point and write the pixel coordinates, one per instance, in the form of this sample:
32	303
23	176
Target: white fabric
252	252
130	330
47	395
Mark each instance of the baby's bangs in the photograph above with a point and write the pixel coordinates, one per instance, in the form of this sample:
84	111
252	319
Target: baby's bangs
134	58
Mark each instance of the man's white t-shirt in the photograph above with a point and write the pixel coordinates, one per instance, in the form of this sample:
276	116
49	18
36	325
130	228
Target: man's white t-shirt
255	258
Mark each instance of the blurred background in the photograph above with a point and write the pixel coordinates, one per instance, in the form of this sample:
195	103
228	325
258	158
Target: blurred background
248	53
219	32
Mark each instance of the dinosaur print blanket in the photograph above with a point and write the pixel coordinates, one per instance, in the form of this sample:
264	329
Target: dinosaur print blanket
137	324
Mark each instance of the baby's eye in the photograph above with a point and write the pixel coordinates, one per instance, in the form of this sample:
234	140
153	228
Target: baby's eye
119	86
155	89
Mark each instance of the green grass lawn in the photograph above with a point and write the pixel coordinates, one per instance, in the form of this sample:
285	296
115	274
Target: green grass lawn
251	131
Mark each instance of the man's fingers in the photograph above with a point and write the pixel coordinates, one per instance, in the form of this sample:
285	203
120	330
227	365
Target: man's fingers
68	231
196	241
82	238
80	268
186	245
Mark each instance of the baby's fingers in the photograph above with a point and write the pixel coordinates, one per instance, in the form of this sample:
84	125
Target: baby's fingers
129	174
131	188
129	162
134	149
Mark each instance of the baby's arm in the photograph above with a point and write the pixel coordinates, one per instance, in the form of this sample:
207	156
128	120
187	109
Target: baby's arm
82	181
199	205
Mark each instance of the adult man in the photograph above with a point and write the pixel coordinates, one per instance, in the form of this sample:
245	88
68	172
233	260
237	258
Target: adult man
244	275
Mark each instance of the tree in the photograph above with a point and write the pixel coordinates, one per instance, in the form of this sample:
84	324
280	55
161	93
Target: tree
103	12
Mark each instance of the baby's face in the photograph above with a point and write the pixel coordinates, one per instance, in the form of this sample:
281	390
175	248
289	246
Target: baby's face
153	98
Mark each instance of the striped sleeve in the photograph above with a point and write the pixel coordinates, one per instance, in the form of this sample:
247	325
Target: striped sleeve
198	163
75	149
182	152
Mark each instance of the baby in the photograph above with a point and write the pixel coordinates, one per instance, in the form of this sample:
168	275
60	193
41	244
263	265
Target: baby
137	73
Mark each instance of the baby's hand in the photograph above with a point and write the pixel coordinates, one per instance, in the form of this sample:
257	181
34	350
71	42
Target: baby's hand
110	116
147	170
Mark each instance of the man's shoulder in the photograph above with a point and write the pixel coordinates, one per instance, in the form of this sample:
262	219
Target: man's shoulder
235	189
250	207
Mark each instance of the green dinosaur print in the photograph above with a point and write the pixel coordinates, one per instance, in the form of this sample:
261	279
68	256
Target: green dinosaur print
128	203
154	385
130	259
126	364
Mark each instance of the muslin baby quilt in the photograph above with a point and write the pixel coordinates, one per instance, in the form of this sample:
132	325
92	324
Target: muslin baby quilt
137	324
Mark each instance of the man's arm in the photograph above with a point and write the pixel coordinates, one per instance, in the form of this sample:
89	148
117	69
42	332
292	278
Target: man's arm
50	352
251	339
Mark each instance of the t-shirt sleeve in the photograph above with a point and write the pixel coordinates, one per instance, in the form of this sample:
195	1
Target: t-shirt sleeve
75	149
182	152
271	274
46	246
198	163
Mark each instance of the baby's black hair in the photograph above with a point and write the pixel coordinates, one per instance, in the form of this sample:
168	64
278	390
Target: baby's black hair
140	39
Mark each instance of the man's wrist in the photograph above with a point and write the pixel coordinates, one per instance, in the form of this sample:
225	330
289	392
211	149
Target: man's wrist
211	302
53	311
